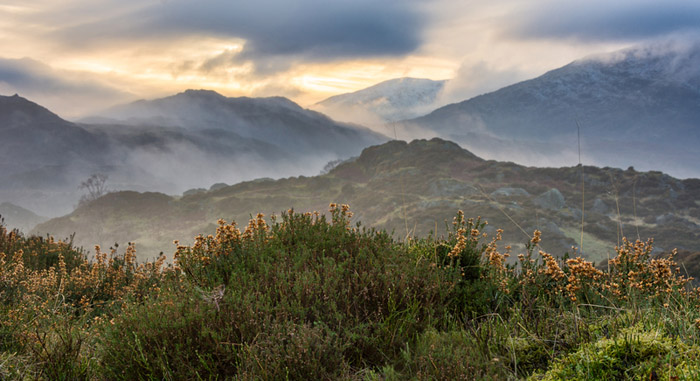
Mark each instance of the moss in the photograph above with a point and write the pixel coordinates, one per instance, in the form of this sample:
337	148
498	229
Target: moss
635	353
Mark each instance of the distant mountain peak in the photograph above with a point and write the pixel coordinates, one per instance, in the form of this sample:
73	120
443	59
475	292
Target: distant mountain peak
202	93
637	106
254	122
390	87
387	101
202	96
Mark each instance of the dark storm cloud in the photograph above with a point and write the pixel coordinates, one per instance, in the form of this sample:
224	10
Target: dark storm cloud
606	20
310	30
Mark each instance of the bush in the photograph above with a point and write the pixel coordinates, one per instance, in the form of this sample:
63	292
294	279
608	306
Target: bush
174	337
310	296
350	297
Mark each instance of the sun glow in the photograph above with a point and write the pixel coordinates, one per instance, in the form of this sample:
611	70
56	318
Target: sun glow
325	84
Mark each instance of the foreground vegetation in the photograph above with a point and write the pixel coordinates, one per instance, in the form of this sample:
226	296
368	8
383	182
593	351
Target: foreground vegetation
314	297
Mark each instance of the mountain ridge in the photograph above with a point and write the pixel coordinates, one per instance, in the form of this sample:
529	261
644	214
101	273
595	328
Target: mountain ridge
622	100
413	188
275	120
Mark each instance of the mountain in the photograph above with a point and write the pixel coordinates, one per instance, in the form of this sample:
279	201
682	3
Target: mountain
276	121
168	145
16	217
388	101
639	107
43	157
415	188
35	138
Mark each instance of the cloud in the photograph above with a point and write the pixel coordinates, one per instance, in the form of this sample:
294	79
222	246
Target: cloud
601	20
72	93
273	89
474	79
306	30
243	47
33	76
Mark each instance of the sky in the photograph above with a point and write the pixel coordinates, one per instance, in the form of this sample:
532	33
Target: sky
79	56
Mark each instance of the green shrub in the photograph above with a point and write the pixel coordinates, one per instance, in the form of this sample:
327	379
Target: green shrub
351	296
314	297
174	337
445	356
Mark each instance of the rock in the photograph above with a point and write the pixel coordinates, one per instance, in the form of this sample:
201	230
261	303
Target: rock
218	186
193	191
451	188
599	206
551	199
509	192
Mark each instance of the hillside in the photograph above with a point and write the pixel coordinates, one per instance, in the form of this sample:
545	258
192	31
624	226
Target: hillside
43	158
16	217
639	106
35	138
415	188
167	145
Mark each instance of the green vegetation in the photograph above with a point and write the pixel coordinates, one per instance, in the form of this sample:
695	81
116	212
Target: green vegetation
411	189
313	296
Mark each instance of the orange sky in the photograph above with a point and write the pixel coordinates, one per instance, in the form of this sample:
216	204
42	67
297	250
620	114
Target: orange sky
77	56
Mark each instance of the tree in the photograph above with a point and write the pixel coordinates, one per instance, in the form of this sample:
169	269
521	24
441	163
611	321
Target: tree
95	187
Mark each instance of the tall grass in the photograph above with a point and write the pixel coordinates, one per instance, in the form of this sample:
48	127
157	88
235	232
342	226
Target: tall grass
315	296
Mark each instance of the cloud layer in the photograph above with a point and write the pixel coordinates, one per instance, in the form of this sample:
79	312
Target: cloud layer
306	29
596	20
311	49
69	92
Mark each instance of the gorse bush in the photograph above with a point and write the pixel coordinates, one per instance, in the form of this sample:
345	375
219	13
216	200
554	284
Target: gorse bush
314	296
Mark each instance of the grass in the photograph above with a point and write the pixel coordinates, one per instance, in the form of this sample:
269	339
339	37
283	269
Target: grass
310	296
597	250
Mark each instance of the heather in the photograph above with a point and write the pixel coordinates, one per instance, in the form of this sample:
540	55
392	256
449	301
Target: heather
320	296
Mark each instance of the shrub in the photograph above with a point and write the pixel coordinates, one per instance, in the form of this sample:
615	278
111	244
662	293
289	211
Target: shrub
314	296
350	296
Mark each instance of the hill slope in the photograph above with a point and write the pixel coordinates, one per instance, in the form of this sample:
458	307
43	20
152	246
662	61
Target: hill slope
638	107
34	137
43	158
416	187
16	217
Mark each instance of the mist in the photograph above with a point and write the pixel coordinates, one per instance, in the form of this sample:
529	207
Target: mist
475	79
181	166
172	169
188	141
